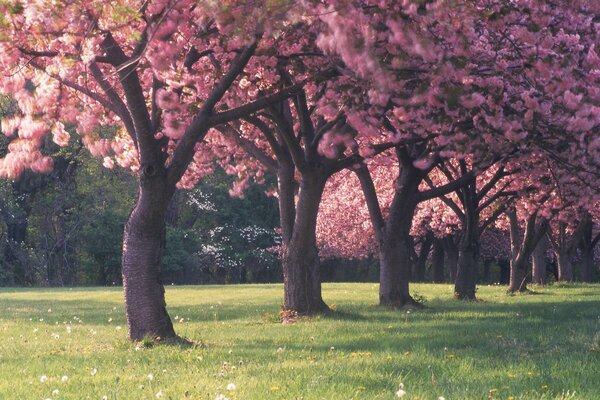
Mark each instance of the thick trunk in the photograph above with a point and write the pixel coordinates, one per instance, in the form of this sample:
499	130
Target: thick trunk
143	245
394	273
437	261
395	258
565	266
302	283
538	261
518	275
466	274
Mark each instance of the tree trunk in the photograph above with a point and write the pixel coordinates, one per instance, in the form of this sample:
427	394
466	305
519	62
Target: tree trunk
587	244
466	272
394	273
302	283
538	261
587	265
452	254
487	263
565	266
518	275
395	257
522	246
143	245
421	260
437	261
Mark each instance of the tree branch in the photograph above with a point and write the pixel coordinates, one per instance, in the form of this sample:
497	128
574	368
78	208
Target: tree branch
199	126
114	97
445	189
248	109
249	147
368	189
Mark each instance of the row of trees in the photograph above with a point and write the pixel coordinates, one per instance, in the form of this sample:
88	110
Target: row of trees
469	102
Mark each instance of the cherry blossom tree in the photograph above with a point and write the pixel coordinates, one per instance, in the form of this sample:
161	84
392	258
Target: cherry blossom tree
159	75
451	79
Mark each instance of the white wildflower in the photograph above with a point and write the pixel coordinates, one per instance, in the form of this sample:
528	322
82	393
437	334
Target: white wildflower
231	387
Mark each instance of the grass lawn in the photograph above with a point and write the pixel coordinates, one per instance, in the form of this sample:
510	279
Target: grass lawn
73	342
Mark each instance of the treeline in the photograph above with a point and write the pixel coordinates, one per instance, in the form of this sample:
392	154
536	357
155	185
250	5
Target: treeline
66	228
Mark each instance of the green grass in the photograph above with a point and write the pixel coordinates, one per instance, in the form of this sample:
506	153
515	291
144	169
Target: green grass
543	346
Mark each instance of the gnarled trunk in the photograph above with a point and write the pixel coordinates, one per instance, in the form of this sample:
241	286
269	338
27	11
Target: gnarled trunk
143	245
302	282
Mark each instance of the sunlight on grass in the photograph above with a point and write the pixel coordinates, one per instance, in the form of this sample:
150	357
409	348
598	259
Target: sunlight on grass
72	344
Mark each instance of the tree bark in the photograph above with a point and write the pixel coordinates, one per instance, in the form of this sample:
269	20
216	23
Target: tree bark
518	275
437	261
522	246
468	258
588	242
587	265
395	247
452	253
302	283
420	263
538	261
143	245
466	273
565	266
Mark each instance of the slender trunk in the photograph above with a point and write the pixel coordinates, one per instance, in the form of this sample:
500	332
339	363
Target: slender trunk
587	264
587	244
487	263
437	261
15	237
452	254
522	246
466	272
143	245
421	260
302	283
538	261
565	266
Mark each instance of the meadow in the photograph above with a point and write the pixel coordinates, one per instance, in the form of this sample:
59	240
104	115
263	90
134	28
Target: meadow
71	343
